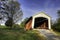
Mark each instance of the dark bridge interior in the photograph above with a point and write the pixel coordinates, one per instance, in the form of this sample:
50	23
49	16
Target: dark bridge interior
41	22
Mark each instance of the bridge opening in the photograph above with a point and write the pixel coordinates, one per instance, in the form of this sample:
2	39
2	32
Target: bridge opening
41	23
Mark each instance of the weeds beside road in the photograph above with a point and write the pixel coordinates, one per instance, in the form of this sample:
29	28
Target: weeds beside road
19	34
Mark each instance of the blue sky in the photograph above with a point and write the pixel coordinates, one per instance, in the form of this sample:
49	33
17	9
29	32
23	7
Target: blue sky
31	7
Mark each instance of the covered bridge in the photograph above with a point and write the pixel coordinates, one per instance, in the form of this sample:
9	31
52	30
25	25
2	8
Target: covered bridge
38	21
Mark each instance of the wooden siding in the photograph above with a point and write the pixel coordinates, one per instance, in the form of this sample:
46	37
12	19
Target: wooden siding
29	25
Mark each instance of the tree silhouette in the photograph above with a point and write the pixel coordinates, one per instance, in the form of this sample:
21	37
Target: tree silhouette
58	16
12	10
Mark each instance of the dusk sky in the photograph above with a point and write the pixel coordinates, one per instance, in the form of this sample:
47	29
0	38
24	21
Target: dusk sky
31	7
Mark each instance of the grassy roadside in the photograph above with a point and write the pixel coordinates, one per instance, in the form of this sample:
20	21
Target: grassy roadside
55	32
58	33
41	36
19	34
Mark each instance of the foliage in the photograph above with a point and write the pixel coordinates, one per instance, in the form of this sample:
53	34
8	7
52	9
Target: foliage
16	26
9	22
58	20
23	22
21	34
11	10
58	13
1	26
56	25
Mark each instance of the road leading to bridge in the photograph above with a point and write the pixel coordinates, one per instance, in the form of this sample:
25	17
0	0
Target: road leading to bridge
49	34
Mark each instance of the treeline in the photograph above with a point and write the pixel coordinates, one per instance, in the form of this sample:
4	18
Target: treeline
56	24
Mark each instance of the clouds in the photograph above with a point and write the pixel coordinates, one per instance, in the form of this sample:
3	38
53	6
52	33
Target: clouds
30	7
40	3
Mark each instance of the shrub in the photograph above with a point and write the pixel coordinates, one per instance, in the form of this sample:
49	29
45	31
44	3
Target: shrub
56	27
2	26
16	26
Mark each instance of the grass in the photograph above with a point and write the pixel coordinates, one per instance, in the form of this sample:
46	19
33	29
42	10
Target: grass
19	34
56	32
1	26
